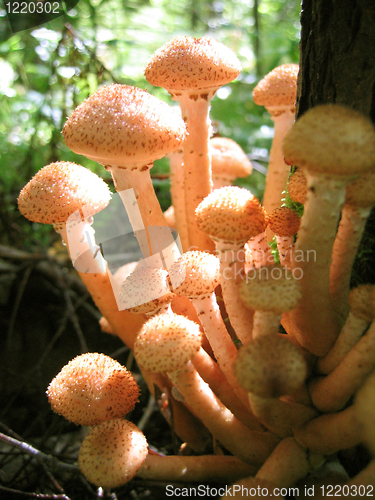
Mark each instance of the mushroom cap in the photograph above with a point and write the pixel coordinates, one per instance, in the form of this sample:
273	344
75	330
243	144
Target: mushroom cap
361	191
93	388
231	214
270	366
284	221
201	271
364	406
228	159
166	342
271	288
278	88
297	186
120	125
60	189
148	287
112	453
186	63
362	301
331	139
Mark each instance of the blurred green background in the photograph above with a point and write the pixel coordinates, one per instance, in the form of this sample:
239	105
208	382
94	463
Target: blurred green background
47	70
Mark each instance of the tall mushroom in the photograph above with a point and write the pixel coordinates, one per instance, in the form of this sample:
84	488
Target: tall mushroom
192	70
333	145
277	93
126	129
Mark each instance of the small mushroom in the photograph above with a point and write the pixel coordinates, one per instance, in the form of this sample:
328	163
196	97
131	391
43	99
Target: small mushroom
284	222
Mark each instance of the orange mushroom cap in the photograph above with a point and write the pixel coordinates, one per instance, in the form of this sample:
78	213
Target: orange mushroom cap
60	189
284	221
278	88
231	214
187	63
112	453
167	342
297	186
228	159
93	388
120	125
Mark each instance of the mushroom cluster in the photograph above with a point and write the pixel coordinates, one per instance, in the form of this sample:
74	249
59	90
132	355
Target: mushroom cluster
268	363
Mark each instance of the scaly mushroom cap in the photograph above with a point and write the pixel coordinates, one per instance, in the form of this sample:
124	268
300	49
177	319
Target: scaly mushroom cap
284	221
362	301
270	367
167	342
361	192
144	283
228	159
93	388
59	189
120	125
331	139
272	288
365	411
297	186
202	274
187	63
231	214
278	88
112	453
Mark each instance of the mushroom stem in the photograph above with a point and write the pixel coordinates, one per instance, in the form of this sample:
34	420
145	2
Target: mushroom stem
288	463
204	468
250	446
178	196
349	234
197	162
316	324
330	433
332	392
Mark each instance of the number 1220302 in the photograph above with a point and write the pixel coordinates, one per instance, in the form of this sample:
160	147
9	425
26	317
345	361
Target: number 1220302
33	7
346	490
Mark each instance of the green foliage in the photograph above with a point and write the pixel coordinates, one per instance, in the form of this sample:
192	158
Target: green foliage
47	71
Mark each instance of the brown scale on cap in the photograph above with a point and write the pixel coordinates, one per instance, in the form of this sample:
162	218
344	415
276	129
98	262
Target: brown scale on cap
120	125
278	88
270	369
343	141
187	63
93	388
202	274
231	214
270	289
141	284
284	221
167	342
112	453
60	189
297	186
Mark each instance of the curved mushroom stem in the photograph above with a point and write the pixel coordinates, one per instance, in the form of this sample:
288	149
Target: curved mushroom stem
332	392
250	446
220	341
231	267
348	238
315	324
202	468
330	433
288	463
178	196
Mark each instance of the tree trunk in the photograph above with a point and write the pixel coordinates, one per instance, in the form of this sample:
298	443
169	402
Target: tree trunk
337	65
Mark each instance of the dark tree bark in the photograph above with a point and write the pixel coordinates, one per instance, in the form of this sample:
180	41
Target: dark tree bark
337	65
338	54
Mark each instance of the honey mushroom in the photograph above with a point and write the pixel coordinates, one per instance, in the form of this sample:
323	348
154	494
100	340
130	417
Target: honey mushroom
192	70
